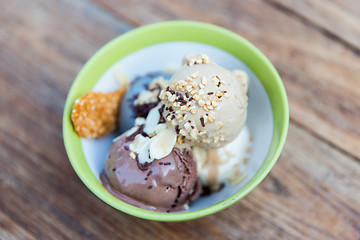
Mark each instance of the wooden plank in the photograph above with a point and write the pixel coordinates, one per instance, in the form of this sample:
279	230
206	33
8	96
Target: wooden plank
306	195
10	230
330	16
319	74
40	54
351	6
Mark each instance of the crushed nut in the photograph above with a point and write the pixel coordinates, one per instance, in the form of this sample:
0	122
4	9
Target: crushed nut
132	155
193	134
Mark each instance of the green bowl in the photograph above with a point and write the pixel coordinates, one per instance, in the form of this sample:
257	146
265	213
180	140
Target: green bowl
158	33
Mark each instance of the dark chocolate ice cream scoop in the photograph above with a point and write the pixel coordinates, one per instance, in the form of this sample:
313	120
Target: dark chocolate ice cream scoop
165	184
127	110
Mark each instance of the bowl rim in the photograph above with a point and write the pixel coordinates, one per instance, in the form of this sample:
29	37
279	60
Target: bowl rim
145	36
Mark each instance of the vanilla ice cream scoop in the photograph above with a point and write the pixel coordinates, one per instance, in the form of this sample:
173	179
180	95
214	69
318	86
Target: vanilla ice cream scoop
206	103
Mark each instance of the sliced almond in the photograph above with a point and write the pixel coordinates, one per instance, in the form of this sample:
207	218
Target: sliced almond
152	120
160	127
162	144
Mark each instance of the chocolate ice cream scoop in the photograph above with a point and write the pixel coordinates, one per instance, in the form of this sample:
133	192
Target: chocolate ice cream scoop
165	184
140	98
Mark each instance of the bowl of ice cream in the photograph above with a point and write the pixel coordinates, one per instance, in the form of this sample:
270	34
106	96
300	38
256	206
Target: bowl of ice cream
221	121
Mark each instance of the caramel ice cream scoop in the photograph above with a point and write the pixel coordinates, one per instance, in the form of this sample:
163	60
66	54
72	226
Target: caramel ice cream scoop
206	103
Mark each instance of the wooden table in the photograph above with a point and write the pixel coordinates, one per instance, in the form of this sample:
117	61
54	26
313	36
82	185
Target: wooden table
313	192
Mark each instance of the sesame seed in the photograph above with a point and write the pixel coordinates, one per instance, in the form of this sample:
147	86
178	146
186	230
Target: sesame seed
211	117
183	132
194	110
178	116
194	92
201	102
187	126
132	155
205	116
193	134
172	98
182	83
204	80
202	133
206	141
196	97
195	75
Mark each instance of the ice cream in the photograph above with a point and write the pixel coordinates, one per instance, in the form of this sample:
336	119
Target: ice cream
184	133
165	184
217	166
206	104
140	98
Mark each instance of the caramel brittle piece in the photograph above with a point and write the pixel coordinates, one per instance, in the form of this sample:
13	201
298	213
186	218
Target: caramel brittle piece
95	114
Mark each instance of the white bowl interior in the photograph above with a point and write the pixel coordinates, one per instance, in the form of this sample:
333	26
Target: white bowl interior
164	55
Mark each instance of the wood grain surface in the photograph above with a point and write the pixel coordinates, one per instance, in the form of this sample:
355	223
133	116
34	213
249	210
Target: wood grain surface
313	192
